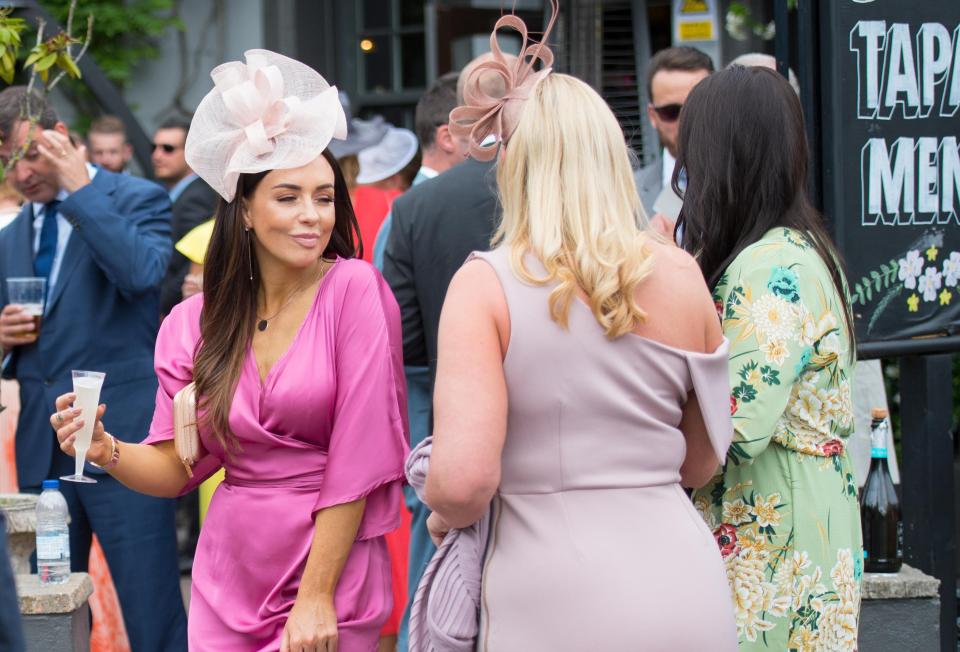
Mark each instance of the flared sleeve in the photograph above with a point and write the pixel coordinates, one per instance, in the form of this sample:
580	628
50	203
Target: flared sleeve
709	376
368	441
173	362
775	317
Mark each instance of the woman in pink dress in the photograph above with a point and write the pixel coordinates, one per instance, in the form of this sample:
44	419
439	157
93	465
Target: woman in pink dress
295	350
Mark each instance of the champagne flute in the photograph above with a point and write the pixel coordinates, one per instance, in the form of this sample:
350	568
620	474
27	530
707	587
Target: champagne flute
86	385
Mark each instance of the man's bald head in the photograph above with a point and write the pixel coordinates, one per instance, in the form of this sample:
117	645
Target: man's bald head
490	82
761	60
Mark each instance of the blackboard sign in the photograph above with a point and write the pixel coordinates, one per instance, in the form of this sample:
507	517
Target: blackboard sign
891	160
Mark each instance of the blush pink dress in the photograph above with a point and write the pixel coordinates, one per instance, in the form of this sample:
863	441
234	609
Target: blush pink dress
593	544
327	426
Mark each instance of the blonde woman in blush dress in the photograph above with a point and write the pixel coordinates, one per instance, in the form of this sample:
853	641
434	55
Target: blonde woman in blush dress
581	382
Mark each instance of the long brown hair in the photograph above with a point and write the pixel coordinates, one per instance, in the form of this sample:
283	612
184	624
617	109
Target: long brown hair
230	297
743	146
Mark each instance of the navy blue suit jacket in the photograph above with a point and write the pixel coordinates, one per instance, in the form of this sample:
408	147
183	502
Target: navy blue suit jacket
102	315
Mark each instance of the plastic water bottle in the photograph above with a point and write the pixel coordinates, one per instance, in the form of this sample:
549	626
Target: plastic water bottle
53	535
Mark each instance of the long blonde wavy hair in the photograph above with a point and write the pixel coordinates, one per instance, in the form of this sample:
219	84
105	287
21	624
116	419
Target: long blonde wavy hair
569	198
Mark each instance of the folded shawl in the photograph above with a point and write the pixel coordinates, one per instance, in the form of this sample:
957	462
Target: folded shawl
445	613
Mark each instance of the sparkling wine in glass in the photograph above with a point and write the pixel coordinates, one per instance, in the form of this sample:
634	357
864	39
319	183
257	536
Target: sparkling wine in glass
86	385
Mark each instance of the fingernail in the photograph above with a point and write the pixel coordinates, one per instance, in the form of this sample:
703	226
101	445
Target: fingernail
74	412
79	423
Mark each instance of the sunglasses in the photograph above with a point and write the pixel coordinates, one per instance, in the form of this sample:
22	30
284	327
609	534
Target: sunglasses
169	149
668	112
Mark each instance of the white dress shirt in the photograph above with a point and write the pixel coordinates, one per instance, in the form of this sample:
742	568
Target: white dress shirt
429	173
668	164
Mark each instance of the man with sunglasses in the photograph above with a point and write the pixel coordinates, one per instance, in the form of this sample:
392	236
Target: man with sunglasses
671	76
193	201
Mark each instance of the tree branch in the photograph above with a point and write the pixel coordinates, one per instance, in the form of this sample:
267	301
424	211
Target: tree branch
83	50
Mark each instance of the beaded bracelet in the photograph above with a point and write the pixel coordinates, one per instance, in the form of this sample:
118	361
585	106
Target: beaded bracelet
114	454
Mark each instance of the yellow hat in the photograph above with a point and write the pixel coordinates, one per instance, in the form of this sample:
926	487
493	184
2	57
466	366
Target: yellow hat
194	244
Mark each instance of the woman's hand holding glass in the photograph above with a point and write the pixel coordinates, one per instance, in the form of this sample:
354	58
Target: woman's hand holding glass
67	424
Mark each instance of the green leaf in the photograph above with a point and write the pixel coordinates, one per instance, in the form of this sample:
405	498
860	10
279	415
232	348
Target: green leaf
35	55
67	63
45	63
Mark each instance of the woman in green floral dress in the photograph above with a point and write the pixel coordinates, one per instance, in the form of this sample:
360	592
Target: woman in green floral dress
784	508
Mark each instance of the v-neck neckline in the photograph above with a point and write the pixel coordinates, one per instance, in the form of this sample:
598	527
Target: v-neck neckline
262	382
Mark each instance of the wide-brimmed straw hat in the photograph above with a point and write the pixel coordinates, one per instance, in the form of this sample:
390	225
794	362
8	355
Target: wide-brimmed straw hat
383	160
361	134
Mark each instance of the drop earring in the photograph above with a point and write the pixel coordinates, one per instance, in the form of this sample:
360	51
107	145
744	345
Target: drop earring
249	253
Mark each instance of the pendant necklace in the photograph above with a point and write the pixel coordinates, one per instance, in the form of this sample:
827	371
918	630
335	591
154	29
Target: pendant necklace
263	323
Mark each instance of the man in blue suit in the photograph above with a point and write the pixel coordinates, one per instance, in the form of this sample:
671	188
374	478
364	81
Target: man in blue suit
102	241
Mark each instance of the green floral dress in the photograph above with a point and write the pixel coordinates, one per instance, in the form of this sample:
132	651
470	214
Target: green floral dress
784	509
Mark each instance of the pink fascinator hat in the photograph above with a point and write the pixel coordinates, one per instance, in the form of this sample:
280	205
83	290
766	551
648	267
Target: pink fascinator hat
269	113
484	114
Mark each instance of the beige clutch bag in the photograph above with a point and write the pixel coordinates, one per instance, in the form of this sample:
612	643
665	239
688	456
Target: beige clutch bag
186	438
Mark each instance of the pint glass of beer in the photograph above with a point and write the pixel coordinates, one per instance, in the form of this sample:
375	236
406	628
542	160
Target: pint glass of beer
30	293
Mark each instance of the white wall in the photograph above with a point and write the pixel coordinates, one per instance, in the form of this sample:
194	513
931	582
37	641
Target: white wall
216	31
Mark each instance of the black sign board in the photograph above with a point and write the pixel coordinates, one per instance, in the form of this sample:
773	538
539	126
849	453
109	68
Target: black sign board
891	160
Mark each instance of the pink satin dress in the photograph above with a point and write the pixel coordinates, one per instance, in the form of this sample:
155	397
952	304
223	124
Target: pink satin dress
327	426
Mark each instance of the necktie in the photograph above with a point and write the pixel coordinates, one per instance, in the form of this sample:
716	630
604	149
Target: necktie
43	262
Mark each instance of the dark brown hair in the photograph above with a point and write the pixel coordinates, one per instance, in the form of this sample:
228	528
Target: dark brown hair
434	107
679	58
743	146
13	109
230	297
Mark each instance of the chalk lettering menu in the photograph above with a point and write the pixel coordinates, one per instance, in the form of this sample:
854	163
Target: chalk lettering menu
891	164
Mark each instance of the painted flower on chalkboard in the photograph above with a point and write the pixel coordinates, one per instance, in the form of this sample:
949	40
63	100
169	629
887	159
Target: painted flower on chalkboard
929	283
910	269
951	269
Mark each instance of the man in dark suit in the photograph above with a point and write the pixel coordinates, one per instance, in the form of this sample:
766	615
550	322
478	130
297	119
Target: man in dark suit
193	201
102	241
671	76
434	227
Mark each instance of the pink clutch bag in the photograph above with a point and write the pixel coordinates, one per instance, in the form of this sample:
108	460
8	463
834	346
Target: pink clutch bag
186	437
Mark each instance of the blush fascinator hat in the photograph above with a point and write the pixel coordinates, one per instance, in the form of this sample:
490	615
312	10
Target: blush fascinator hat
487	118
269	113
